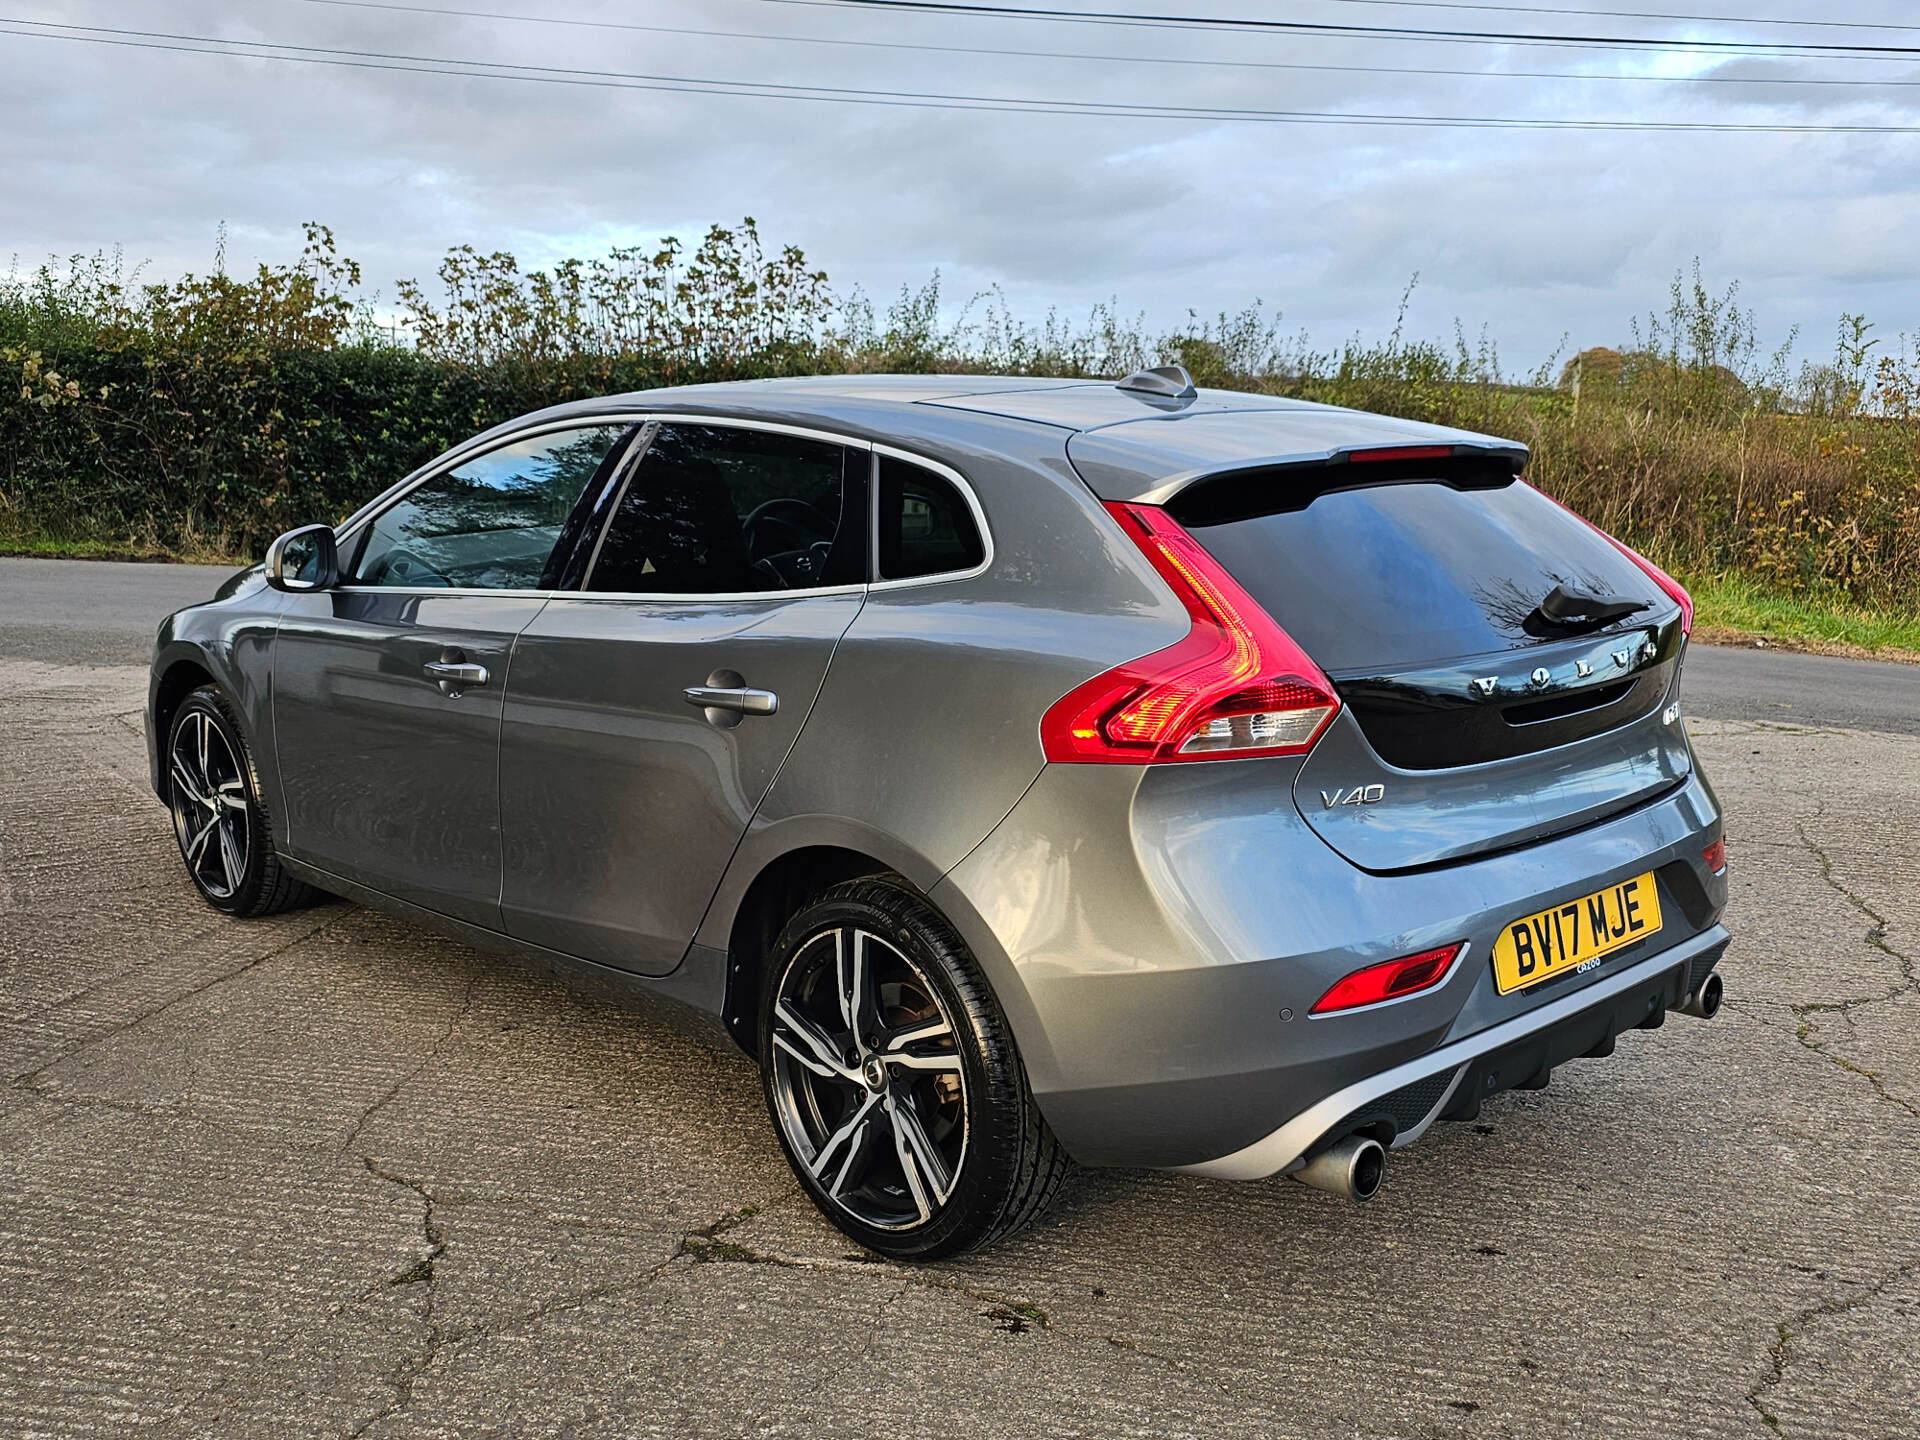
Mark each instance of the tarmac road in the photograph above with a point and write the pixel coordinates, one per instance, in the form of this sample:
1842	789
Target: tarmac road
329	1174
93	612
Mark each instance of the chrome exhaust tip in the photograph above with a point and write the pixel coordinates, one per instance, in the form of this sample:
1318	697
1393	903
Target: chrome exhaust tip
1353	1168
1704	1003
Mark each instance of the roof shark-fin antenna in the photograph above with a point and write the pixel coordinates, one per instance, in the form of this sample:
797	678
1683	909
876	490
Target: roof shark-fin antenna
1163	382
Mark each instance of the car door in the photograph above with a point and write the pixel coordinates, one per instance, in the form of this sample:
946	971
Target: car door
387	688
649	711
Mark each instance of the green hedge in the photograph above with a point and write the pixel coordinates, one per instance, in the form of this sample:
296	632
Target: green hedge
190	452
203	417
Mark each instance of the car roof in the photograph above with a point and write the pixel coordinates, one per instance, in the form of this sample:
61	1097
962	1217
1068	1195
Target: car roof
1126	445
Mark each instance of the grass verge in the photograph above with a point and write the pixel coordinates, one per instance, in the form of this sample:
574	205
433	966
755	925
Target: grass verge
30	544
1731	609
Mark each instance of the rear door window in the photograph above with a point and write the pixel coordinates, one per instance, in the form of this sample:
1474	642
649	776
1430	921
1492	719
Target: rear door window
491	522
926	526
715	510
1397	576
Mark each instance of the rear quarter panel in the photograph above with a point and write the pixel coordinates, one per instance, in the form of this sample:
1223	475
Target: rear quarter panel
927	730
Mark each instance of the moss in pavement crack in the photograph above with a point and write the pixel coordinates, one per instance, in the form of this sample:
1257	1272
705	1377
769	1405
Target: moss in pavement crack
419	1273
1780	1351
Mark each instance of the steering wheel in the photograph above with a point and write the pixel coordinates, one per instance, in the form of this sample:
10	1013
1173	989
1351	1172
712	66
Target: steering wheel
782	524
403	567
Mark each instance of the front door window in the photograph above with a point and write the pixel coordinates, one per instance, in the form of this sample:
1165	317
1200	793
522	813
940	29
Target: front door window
491	522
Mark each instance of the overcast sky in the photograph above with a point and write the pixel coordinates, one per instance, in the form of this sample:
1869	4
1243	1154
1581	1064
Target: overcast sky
1533	233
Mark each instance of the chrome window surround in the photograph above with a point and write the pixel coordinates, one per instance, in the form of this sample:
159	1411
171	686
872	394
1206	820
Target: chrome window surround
374	508
952	477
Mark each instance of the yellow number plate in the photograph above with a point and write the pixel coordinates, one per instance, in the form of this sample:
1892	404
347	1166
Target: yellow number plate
1569	936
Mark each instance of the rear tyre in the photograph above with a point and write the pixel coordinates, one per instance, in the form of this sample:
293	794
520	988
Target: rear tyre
218	819
893	1081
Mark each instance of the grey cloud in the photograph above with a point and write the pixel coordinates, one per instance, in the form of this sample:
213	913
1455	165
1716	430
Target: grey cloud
1534	233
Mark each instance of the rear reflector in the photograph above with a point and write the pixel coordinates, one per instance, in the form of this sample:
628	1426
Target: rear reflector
1675	590
1408	975
1236	685
1716	855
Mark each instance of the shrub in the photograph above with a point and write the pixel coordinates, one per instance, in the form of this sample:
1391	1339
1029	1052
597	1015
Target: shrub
205	415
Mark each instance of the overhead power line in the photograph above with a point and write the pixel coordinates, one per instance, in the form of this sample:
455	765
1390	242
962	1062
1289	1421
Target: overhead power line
1000	51
912	99
1421	4
1227	23
1625	14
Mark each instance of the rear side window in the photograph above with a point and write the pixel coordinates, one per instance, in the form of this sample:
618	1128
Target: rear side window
491	522
1400	576
926	525
712	510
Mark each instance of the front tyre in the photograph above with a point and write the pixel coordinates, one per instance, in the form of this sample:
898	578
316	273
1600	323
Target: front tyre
893	1081
214	794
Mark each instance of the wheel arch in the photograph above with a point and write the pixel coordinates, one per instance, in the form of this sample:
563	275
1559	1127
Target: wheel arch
777	892
180	678
780	867
178	670
181	665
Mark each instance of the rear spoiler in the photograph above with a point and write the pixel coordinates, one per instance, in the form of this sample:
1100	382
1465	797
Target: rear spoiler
1271	488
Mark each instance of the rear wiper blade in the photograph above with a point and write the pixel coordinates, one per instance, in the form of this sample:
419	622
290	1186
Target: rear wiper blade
1567	611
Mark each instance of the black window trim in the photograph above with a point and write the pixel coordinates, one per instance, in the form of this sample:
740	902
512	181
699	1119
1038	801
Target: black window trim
605	506
589	510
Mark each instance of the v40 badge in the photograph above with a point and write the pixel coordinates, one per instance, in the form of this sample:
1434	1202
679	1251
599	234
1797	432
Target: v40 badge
1358	795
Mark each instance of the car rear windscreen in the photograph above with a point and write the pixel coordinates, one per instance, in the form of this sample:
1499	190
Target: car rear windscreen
1398	576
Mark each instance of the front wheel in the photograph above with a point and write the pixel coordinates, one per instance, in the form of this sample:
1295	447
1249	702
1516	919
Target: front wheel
218	817
893	1081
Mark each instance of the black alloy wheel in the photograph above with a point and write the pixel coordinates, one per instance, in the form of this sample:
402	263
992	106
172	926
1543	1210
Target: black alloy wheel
218	820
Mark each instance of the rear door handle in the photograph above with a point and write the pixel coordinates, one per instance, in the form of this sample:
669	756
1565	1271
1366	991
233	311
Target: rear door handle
742	699
456	675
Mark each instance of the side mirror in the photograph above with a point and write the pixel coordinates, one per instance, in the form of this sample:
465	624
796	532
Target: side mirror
304	559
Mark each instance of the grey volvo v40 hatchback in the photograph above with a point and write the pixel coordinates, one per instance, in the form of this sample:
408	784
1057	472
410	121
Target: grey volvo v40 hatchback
1018	769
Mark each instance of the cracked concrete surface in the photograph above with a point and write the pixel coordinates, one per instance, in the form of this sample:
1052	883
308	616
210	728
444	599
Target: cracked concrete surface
328	1174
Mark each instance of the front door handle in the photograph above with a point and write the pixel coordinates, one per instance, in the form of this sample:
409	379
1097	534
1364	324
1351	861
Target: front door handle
740	699
456	675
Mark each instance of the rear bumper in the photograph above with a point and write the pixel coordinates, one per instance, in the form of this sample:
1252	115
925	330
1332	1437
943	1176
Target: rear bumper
1158	944
1406	1099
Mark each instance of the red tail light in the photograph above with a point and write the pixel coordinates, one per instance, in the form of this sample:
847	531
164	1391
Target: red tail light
1666	582
1237	685
1408	975
1716	855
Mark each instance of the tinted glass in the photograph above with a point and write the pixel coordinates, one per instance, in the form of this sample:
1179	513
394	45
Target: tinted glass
1400	576
926	527
717	511
491	523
